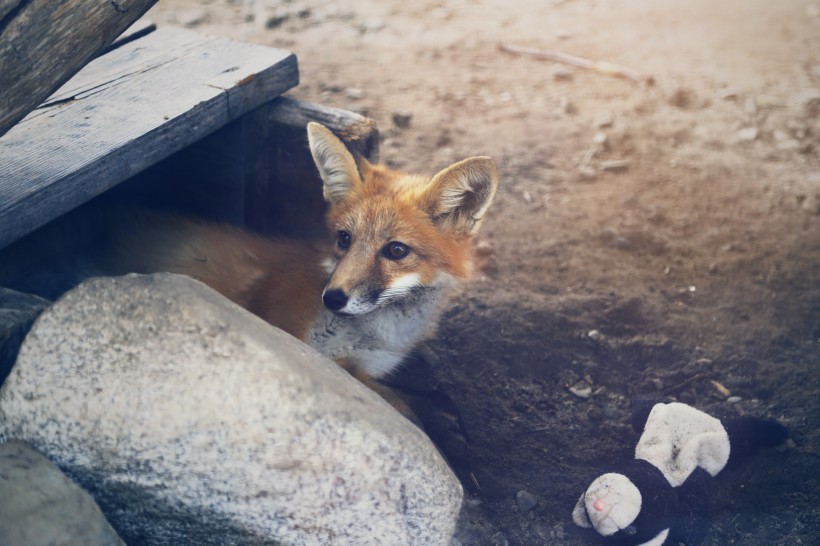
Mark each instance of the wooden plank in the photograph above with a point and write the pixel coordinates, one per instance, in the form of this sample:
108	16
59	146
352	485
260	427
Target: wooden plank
126	111
256	172
43	43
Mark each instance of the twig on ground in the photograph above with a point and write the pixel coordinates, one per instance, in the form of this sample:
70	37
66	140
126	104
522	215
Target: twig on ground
603	67
680	386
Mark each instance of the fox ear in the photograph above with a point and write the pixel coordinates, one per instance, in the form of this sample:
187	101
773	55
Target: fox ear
458	197
336	164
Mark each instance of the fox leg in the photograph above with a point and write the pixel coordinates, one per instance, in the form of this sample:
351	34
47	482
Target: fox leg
388	394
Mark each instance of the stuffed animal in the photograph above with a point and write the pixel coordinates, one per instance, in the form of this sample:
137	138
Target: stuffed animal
661	496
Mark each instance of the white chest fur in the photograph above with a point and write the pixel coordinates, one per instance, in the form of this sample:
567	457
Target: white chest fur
378	341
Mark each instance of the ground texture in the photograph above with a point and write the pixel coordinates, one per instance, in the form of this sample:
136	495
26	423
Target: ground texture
655	239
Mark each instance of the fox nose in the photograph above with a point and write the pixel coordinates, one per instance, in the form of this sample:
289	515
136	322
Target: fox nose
334	299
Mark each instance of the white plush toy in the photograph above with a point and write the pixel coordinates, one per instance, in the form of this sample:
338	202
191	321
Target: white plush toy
661	496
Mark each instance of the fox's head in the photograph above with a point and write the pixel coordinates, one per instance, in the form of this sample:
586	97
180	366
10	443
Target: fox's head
396	234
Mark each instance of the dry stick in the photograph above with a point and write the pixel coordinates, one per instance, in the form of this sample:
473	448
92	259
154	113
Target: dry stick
572	60
680	386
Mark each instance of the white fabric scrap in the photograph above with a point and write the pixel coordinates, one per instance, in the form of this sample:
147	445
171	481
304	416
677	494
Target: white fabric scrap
679	438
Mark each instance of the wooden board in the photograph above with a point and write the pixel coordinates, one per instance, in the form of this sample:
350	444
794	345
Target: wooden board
43	43
256	172
126	111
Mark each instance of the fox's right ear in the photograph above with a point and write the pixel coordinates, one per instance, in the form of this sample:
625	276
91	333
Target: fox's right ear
336	164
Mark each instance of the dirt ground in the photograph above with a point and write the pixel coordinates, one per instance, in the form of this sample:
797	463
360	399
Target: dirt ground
693	261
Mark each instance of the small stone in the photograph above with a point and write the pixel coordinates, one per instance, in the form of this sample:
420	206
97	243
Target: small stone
567	106
750	106
595	414
808	101
500	540
402	119
615	165
354	93
622	243
526	501
587	173
192	17
372	25
747	134
276	20
811	205
789	145
734	399
600	139
562	74
581	390
605	120
683	98
595	334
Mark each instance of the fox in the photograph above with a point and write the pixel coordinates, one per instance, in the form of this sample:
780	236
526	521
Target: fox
398	246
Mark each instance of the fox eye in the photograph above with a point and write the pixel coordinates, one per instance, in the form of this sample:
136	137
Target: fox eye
343	239
395	250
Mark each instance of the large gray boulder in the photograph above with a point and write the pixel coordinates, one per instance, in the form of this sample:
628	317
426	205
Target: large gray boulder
193	422
40	506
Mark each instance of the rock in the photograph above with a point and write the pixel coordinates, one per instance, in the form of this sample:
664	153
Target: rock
808	102
276	20
604	120
683	98
354	93
17	314
402	119
42	507
615	165
562	74
811	205
747	134
192	17
526	501
194	422
587	173
567	106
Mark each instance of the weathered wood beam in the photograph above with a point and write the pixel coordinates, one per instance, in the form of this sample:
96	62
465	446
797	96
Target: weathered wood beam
43	43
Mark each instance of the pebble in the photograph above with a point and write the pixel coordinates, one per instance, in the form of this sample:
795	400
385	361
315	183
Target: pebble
354	93
604	120
595	334
581	390
276	20
747	134
811	205
587	173
595	414
562	74
750	106
682	98
789	145
567	106
402	119
734	399
526	501
615	165
372	25
192	17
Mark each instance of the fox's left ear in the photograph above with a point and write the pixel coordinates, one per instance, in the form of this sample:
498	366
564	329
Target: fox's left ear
458	197
336	164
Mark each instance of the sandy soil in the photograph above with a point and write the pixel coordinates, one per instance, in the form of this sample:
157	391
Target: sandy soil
695	262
